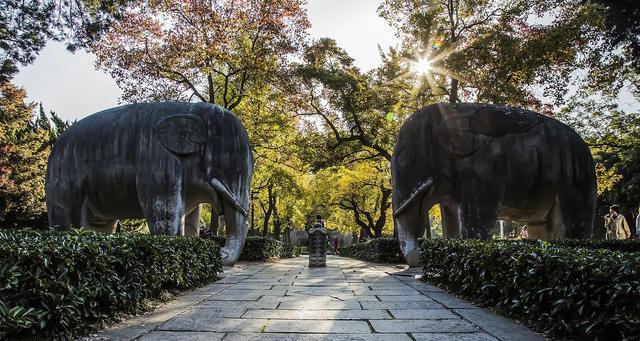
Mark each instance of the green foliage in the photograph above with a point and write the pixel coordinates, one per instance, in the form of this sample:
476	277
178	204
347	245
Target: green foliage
56	284
563	291
27	25
627	245
23	158
379	250
262	249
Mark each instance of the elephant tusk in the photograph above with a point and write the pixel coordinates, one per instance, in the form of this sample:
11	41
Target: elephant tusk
227	195
415	195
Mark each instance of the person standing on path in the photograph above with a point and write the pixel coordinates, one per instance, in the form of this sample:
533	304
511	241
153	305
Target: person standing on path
616	225
638	224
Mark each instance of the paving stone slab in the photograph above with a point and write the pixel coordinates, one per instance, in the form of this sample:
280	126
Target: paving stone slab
221	325
423	314
449	301
238	305
385	292
453	337
161	335
314	337
499	326
401	305
284	314
222	296
316	326
267	292
405	298
423	326
334	305
252	286
203	312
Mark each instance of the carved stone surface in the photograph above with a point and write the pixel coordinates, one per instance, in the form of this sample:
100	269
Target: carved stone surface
317	246
156	161
487	162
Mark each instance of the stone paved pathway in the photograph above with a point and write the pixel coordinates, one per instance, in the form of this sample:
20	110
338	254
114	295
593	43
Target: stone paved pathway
348	300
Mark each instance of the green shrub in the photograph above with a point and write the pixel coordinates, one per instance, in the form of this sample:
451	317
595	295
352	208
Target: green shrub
379	250
627	245
260	249
57	285
563	291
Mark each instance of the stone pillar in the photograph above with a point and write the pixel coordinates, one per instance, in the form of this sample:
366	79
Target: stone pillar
317	246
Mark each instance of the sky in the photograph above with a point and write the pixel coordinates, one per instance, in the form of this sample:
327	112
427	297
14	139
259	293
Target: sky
70	85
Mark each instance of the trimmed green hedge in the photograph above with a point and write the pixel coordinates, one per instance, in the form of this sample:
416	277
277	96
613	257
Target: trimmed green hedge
563	291
262	249
627	245
57	285
379	250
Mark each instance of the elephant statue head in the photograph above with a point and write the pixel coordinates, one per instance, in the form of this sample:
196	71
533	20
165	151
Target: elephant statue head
213	141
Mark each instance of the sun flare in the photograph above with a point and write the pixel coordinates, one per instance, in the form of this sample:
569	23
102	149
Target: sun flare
421	66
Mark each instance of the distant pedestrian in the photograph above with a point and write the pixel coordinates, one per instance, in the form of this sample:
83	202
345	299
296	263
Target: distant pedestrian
336	245
616	225
638	224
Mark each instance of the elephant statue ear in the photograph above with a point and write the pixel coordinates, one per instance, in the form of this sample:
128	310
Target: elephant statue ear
181	134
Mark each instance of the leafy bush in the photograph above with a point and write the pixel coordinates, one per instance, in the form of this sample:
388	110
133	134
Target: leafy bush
627	245
379	250
56	284
261	249
563	291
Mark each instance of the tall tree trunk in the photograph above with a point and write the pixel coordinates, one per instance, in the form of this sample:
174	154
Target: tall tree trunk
269	209
453	92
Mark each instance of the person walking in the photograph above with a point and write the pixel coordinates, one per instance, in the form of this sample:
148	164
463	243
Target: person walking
638	224
616	225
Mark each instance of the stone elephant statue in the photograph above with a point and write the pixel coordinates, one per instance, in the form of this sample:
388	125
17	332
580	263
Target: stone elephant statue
156	161
487	162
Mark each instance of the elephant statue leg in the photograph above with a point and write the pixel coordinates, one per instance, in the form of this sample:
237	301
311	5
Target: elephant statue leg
162	203
65	209
192	222
450	220
476	219
553	228
578	204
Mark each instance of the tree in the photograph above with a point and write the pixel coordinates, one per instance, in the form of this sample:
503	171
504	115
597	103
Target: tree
52	125
26	26
622	26
351	120
496	51
23	158
210	51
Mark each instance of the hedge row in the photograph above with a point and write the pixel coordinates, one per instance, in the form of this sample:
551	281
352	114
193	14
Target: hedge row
379	250
261	249
57	285
626	245
563	291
